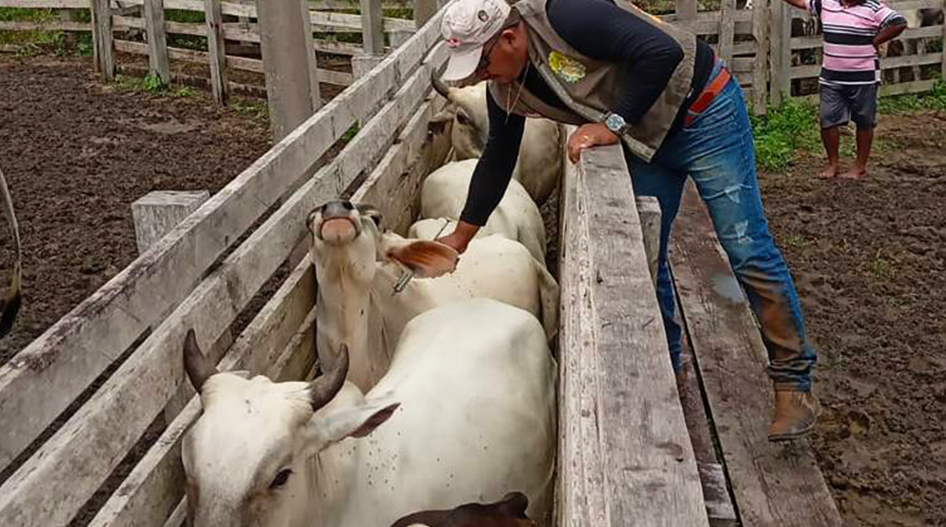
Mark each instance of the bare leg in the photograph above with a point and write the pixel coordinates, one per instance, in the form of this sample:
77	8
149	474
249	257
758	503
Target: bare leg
864	139
831	137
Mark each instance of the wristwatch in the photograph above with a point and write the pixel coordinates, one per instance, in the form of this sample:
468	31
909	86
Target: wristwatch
615	123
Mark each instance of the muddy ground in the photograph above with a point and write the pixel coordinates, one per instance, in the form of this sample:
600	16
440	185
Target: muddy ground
869	258
77	153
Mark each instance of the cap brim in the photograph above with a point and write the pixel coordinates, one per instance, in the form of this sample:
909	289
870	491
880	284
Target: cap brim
462	65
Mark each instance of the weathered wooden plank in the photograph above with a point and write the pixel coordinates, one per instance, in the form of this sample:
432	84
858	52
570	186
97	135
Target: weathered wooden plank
270	332
44	378
719	507
817	41
45	4
760	67
372	31
102	41
65	472
802	72
157	40
630	439
775	484
217	56
423	10
50	25
394	186
780	51
154	487
686	9
580	471
339	78
727	29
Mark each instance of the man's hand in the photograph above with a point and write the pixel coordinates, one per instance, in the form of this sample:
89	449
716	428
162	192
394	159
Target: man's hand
460	237
587	136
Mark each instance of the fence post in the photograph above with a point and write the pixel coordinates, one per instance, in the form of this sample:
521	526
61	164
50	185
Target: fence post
372	35
760	32
292	87
686	9
157	40
727	30
213	15
103	45
781	51
943	67
423	10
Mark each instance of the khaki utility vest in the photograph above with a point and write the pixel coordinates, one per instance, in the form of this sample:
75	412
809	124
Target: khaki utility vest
591	88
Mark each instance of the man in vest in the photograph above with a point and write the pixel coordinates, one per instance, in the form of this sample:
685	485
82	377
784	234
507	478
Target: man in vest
622	75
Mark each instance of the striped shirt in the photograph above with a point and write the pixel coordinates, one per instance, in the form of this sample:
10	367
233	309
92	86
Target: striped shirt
849	30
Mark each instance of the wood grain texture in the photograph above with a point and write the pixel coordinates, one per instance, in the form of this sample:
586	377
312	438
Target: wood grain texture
774	484
157	40
44	378
625	455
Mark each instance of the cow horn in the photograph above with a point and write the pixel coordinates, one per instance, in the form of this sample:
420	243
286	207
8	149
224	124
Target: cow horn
324	389
12	300
438	84
197	366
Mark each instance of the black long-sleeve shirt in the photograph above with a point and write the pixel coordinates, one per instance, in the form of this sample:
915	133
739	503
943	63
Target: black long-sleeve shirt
600	30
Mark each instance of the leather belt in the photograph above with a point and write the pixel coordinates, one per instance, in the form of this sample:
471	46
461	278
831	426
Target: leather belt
702	102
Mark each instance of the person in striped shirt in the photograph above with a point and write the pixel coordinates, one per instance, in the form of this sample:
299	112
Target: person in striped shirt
854	30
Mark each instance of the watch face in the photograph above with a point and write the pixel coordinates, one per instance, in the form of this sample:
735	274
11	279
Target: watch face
614	122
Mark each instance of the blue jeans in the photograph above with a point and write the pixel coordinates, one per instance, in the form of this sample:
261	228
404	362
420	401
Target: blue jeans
716	150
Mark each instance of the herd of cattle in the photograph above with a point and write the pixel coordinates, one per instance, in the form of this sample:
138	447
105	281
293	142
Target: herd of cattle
437	401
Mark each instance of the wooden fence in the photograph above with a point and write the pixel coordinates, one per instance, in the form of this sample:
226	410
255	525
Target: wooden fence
765	44
227	26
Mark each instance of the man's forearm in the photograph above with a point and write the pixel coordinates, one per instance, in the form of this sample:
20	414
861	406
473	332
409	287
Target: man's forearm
800	4
888	33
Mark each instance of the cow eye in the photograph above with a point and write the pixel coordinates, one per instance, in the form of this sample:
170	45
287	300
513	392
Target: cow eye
463	118
281	478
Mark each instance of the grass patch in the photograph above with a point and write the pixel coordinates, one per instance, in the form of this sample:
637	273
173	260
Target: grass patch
783	131
152	85
932	100
251	108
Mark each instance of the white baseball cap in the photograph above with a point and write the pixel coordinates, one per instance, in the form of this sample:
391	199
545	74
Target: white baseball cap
467	26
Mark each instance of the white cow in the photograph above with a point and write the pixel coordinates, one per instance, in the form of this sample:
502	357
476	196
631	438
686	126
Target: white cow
444	195
468	413
357	268
541	161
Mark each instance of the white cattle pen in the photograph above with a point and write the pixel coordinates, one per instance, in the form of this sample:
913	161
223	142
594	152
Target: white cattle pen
99	387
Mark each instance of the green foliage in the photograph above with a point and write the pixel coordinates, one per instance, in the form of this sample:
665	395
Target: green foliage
150	84
350	133
784	130
250	108
935	99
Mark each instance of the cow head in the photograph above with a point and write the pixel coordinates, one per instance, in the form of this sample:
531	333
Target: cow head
352	256
468	113
246	457
347	238
507	512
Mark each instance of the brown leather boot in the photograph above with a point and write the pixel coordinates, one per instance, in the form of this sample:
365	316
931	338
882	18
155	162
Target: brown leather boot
795	415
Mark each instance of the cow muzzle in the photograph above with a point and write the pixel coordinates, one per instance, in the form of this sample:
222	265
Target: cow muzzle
339	223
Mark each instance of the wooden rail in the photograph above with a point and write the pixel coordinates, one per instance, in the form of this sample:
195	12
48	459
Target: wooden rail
774	484
43	379
625	456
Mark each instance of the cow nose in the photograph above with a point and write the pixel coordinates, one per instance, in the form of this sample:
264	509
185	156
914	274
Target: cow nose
337	209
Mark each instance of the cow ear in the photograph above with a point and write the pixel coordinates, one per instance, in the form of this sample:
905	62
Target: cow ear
425	258
348	422
438	123
514	504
